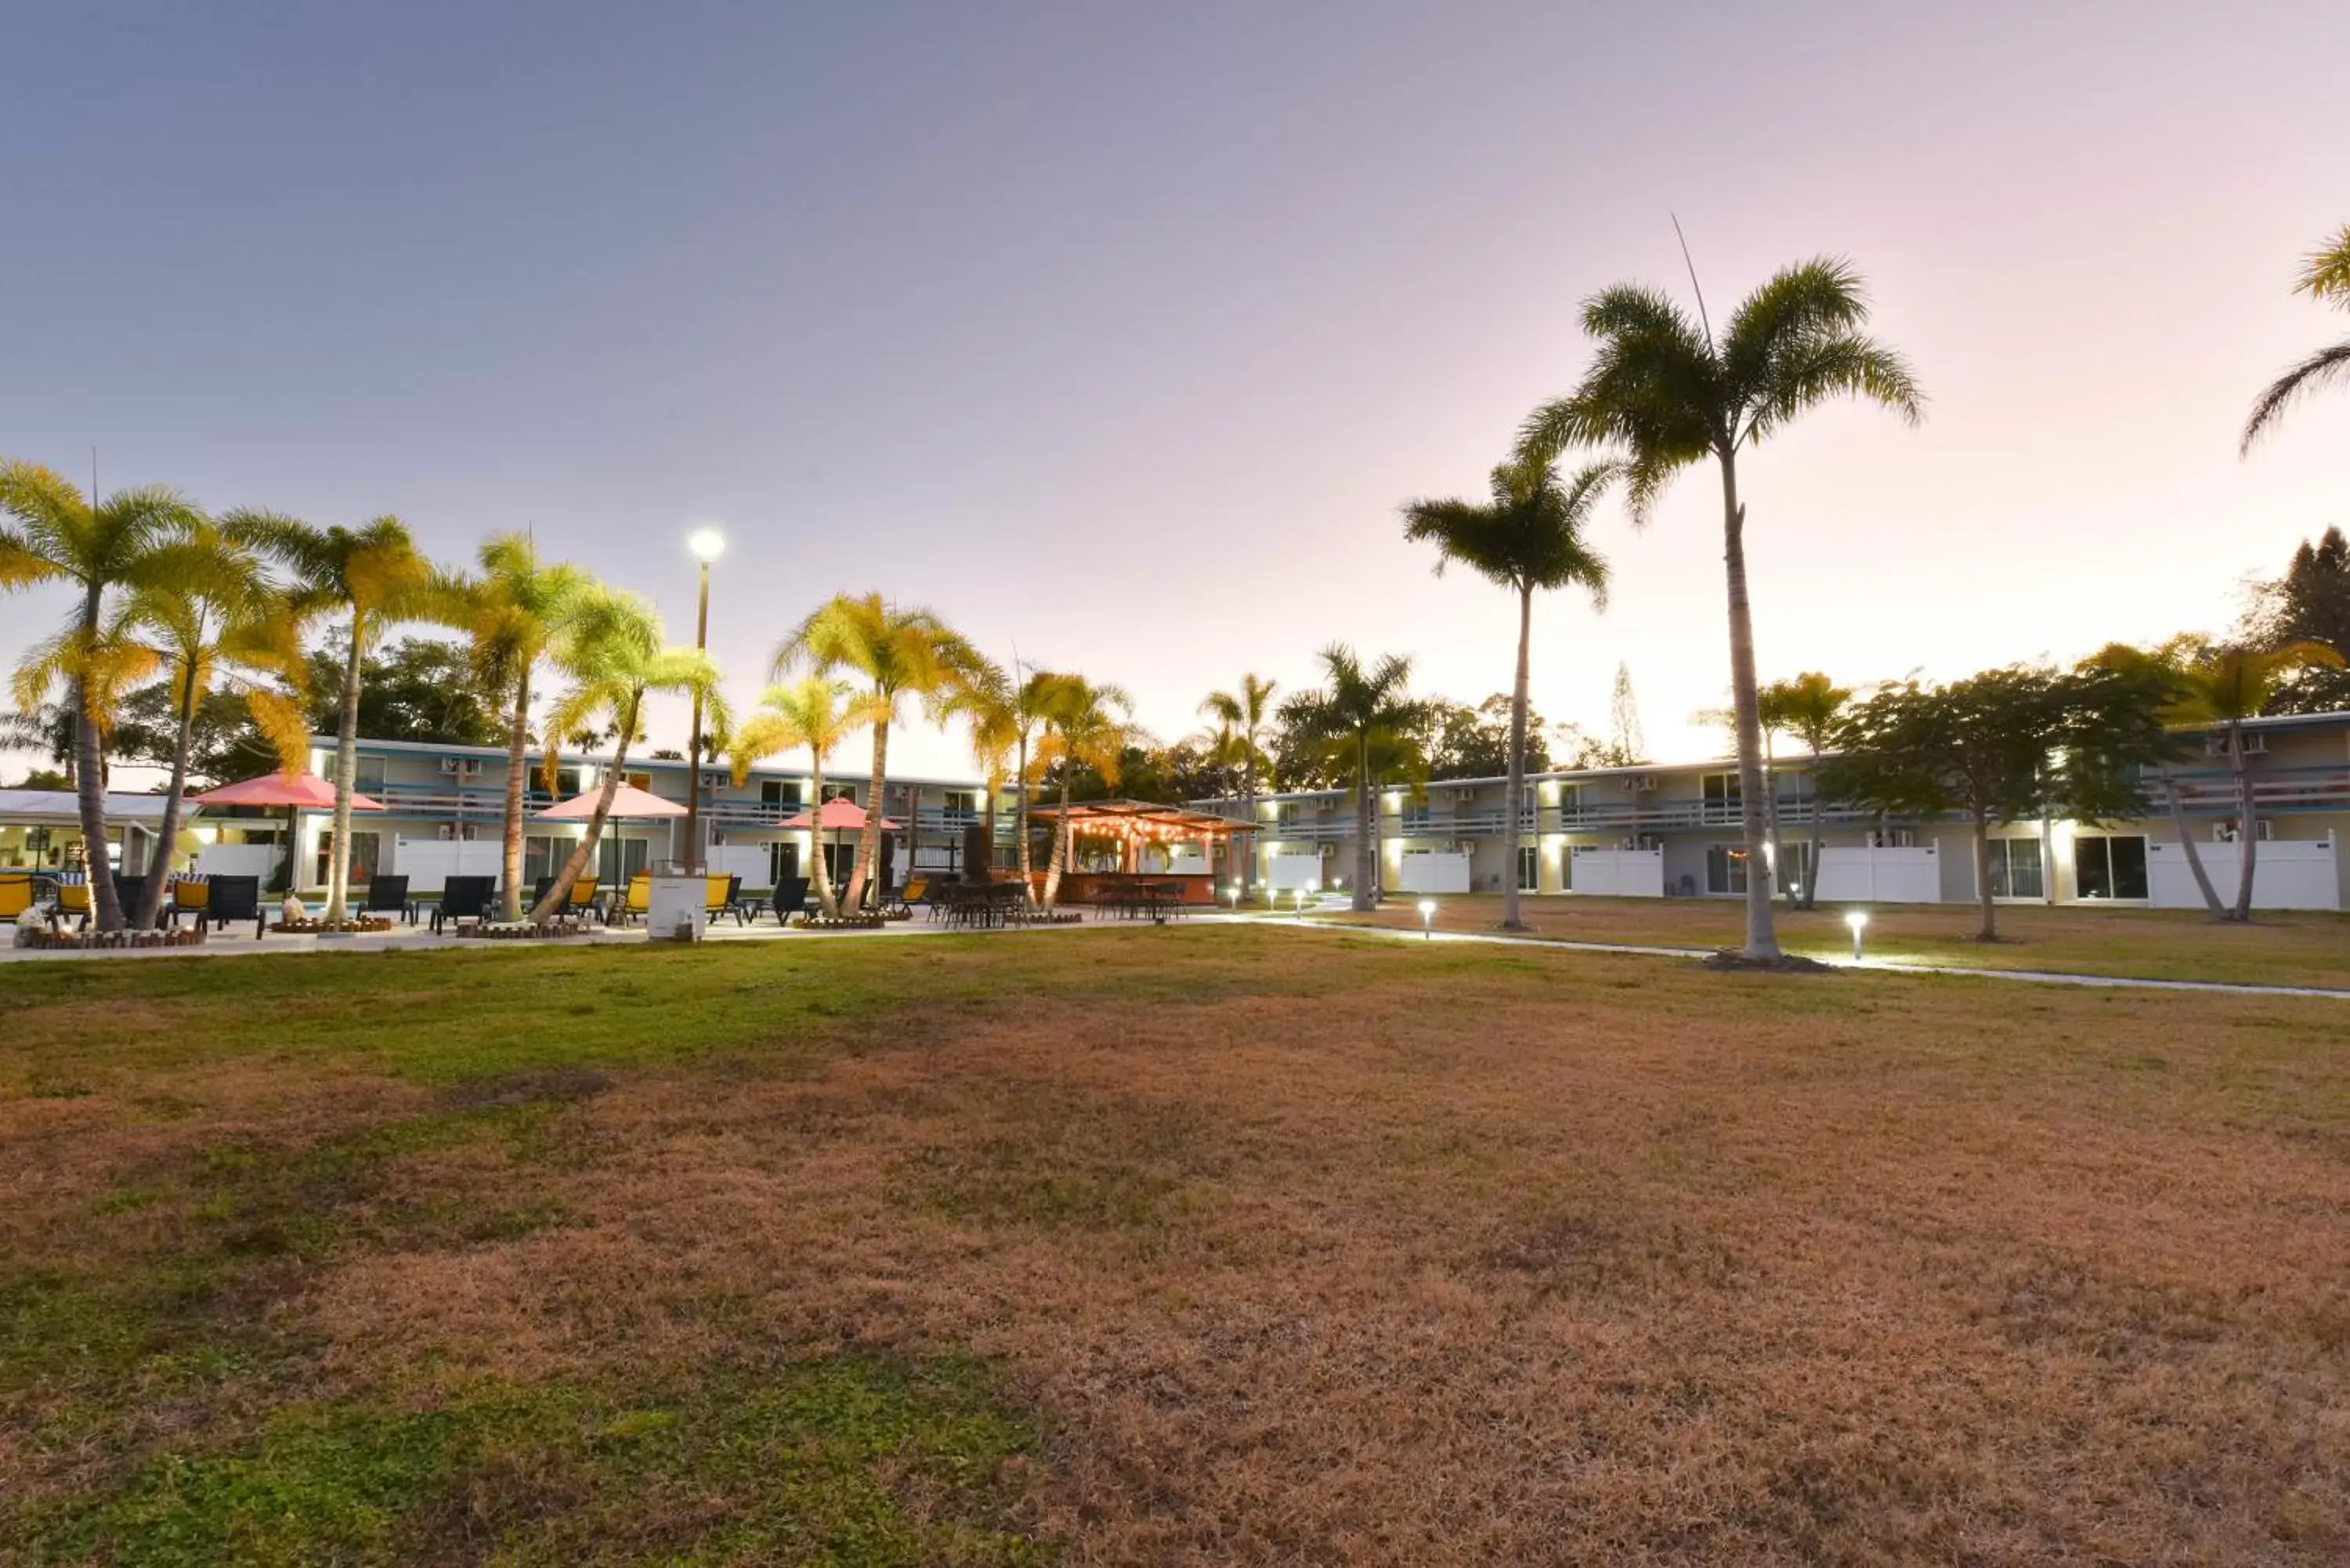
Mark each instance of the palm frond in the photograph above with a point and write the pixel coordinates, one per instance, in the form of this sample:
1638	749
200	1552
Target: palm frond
1805	373
2320	368
2326	273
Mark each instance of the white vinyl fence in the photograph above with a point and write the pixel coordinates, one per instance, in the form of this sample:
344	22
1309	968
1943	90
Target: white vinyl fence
239	860
428	862
748	861
1852	874
1616	873
1433	871
1287	873
2287	874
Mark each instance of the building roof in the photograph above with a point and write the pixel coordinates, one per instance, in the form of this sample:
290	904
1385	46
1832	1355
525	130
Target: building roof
60	806
1142	813
535	757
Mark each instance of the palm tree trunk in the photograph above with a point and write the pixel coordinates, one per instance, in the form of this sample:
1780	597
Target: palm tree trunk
1020	825
1515	795
150	893
2187	844
1059	858
561	893
2248	828
1248	861
89	780
1809	896
1762	938
347	767
868	837
518	736
1989	930
1366	830
825	900
1771	806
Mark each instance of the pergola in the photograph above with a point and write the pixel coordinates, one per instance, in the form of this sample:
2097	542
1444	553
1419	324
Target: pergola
1135	824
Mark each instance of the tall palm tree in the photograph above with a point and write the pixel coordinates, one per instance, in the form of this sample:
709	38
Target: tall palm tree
610	649
2219	687
1808	707
214	618
1089	726
1367	712
988	702
899	651
808	712
374	577
2325	275
55	534
1243	717
1528	538
1669	393
512	611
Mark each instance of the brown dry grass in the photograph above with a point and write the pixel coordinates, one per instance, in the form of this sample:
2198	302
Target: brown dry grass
1372	1255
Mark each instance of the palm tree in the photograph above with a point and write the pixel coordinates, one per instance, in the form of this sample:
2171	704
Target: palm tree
1808	707
610	648
212	616
1088	726
808	712
1364	712
2325	277
2221	688
1242	719
375	576
901	651
512	613
1672	397
1527	538
56	534
990	705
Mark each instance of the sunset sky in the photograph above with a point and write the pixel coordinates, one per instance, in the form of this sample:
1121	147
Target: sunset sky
1118	333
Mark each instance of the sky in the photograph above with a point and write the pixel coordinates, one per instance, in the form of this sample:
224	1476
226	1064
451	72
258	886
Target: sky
1118	333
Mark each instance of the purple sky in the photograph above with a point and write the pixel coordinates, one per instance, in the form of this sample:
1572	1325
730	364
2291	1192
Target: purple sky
1120	332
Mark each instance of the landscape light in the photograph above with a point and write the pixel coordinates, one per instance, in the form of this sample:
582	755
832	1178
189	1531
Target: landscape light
1301	903
707	544
1428	919
1233	891
1858	921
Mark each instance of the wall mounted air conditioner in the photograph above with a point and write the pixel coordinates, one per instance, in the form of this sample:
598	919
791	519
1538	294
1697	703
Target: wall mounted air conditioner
1640	784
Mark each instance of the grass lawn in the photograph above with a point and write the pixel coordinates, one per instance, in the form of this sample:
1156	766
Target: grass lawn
2280	949
1209	1245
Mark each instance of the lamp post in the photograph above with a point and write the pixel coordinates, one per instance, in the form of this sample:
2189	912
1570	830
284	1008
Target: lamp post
1858	921
1428	919
707	544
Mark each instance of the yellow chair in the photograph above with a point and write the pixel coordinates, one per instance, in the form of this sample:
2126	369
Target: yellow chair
73	903
583	896
190	897
16	895
723	898
639	900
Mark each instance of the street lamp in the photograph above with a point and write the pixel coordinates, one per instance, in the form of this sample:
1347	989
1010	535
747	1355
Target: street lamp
1428	919
707	544
1858	921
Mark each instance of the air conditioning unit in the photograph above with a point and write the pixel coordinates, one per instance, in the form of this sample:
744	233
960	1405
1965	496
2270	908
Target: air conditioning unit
445	832
1640	784
2255	744
463	767
449	765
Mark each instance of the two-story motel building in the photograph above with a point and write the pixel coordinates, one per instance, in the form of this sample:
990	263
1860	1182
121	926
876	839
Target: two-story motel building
1674	831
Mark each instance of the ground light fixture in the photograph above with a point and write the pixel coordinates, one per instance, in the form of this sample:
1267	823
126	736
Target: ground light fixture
1301	903
1428	919
1232	892
1858	921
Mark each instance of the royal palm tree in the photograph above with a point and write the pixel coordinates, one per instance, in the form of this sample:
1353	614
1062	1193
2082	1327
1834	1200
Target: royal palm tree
808	712
214	620
55	534
1807	707
2325	277
1085	726
1243	717
610	649
512	611
1672	395
372	575
1529	538
899	652
1366	713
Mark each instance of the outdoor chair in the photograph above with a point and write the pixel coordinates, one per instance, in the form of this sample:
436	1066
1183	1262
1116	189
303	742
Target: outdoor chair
191	897
127	891
16	891
633	905
464	899
743	909
72	904
389	896
228	899
539	889
585	901
723	895
789	899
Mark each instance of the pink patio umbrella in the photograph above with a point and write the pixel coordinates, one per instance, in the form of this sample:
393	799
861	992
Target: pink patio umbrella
836	817
295	792
628	801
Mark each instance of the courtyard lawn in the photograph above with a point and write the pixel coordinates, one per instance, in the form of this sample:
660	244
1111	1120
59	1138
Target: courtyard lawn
1207	1245
2278	948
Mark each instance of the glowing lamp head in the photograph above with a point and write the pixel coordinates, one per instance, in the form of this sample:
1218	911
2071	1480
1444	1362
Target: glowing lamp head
1856	920
707	544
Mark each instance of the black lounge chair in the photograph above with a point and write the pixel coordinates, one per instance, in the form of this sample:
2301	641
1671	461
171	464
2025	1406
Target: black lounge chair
389	896
464	899
231	900
789	899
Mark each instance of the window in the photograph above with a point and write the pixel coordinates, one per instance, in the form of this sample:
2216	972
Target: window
566	782
782	862
638	781
1723	796
1892	839
963	806
1529	870
1725	868
780	793
618	859
365	846
366	777
2111	866
542	856
2225	831
1798	869
841	792
2013	868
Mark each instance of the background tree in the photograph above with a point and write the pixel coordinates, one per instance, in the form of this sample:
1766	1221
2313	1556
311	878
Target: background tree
2309	603
512	610
1242	717
1626	747
812	712
2006	746
1664	391
1528	538
55	534
1086	725
987	700
899	652
610	648
372	575
1364	713
1808	707
1464	743
2162	671
47	729
2325	277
